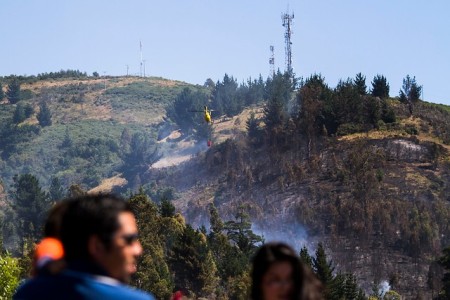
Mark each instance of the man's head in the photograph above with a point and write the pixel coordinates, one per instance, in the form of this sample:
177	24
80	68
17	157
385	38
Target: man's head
101	229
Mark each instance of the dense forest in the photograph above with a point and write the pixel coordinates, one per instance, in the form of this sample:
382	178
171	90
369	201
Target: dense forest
374	172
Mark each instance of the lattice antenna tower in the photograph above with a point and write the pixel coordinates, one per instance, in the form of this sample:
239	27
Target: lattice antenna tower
272	61
287	23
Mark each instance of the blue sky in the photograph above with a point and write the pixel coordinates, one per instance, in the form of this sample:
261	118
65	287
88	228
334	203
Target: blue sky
192	40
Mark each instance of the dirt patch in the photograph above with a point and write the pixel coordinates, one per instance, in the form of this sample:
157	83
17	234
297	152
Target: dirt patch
108	184
225	128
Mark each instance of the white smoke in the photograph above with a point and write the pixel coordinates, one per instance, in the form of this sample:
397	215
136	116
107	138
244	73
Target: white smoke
383	287
292	234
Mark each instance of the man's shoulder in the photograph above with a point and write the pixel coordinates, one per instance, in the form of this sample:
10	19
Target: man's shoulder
46	287
77	286
114	290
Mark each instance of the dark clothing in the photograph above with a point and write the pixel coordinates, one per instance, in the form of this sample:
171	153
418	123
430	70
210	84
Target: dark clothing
76	283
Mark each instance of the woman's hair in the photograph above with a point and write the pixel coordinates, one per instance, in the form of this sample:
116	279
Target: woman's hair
266	256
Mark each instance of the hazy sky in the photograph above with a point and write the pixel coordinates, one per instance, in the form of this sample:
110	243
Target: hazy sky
192	40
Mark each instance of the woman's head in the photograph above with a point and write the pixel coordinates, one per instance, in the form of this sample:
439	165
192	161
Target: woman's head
277	273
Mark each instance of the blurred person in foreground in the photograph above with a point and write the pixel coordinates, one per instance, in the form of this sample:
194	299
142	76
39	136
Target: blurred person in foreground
49	252
100	240
278	274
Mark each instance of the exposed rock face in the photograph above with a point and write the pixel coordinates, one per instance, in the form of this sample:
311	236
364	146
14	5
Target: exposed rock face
406	150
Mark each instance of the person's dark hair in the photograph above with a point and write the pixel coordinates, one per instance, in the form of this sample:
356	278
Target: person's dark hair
265	257
52	226
90	215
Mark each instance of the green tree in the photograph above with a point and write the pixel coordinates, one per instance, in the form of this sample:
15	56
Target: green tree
9	275
410	92
125	140
143	152
153	272
22	112
193	264
29	110
253	129
351	289
13	91
360	84
231	262
31	204
56	191
380	87
225	96
279	89
166	208
44	116
305	257
19	114
182	112
311	100
240	233
322	267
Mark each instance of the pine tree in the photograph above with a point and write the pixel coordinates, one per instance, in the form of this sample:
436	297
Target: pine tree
31	204
192	264
240	232
380	87
44	116
125	140
153	272
29	110
166	208
19	114
410	92
253	130
279	91
56	191
225	97
360	84
231	262
305	257
351	290
322	267
13	91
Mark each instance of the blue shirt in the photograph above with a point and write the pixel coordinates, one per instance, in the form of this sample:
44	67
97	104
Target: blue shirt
76	285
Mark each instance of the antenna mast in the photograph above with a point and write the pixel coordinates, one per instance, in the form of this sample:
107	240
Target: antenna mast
287	23
272	61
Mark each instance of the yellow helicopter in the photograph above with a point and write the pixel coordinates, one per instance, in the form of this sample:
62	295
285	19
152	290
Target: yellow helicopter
207	117
206	114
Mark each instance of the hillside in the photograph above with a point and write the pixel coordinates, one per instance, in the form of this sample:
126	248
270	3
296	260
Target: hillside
377	196
379	200
86	112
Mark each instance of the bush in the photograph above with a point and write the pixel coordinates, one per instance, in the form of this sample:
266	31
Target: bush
411	129
348	128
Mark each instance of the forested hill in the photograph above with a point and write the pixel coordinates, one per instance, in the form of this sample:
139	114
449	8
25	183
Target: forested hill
365	174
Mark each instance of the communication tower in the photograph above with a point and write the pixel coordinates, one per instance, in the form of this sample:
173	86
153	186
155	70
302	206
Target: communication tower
272	60
287	23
